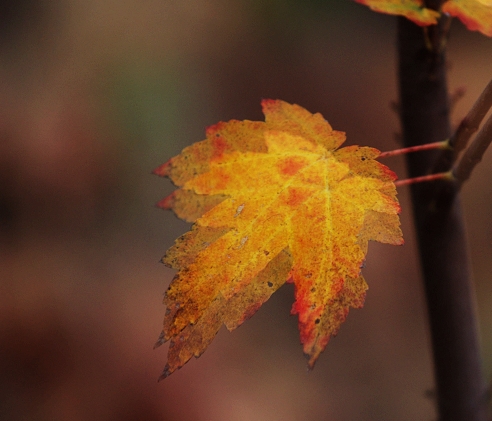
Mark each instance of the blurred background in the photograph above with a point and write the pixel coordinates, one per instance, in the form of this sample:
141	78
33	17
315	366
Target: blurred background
95	94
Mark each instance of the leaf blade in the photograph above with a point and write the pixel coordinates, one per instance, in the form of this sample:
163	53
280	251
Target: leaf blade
290	206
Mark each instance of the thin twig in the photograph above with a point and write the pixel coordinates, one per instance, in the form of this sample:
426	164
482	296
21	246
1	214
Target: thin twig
474	153
471	122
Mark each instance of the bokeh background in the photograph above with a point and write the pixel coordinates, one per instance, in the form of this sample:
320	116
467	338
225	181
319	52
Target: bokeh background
94	94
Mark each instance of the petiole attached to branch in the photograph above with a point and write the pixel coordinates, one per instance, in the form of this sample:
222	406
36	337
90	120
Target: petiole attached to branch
444	144
457	143
431	177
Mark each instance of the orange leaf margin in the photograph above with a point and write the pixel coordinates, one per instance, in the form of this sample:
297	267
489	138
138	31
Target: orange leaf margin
476	15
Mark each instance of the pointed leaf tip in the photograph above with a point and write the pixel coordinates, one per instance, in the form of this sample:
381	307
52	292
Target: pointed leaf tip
165	373
168	202
163	170
160	340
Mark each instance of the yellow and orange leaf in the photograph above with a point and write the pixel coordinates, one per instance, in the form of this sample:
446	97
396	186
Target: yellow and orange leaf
476	15
411	9
272	202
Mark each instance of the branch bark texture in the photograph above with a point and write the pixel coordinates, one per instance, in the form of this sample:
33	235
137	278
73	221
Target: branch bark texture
424	105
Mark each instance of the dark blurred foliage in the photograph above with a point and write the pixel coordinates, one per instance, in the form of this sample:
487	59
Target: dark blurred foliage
93	96
18	17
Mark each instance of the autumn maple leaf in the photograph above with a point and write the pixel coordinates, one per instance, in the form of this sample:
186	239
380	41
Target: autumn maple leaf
272	201
476	15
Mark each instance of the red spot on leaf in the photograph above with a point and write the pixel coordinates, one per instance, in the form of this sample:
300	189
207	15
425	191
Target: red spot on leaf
296	197
337	286
291	165
219	145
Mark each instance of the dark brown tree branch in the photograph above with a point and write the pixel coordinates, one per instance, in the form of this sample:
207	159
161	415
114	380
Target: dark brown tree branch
460	386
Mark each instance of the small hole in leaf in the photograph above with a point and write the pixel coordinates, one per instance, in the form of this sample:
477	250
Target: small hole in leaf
363	158
270	284
316	321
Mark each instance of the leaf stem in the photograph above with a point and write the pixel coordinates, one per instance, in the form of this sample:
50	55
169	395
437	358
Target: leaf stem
434	145
424	178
